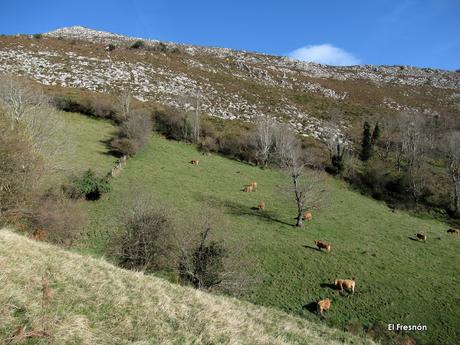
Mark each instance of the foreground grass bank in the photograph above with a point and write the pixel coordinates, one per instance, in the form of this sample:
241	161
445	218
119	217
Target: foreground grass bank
88	301
399	280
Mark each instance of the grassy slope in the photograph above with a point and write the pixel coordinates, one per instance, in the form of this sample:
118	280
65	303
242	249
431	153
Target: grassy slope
398	280
88	150
93	302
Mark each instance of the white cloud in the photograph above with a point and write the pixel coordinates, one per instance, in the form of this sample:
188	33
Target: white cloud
325	54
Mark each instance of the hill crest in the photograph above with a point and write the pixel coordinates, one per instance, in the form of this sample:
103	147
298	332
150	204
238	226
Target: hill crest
232	84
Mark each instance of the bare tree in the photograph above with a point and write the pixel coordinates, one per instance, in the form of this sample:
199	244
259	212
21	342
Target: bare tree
264	137
390	136
18	98
453	167
201	258
21	169
196	123
192	105
26	106
47	132
124	99
291	159
411	128
412	131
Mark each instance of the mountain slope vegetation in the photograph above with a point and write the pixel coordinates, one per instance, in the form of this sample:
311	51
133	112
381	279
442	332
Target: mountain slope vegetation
211	97
370	242
51	296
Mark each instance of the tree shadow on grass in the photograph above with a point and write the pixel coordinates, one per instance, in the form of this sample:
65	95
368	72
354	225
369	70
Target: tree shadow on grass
109	150
238	209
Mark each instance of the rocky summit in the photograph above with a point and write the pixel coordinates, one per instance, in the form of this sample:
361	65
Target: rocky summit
232	84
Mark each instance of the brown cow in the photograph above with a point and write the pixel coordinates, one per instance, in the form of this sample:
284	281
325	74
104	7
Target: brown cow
324	304
349	284
324	245
453	231
195	161
248	189
307	216
261	205
421	237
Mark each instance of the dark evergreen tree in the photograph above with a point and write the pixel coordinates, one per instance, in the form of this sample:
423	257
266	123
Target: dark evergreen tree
376	134
366	145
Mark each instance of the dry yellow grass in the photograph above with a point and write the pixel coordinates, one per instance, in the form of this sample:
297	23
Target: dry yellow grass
93	302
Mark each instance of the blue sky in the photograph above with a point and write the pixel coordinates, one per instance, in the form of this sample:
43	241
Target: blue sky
422	33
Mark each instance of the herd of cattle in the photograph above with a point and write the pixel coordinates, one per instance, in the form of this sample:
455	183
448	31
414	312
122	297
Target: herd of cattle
348	284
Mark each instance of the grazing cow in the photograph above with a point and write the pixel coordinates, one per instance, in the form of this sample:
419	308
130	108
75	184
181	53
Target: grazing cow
248	189
254	186
421	237
324	304
195	161
453	231
324	245
307	216
261	206
349	284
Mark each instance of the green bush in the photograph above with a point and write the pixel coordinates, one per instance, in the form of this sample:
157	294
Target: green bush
37	36
138	44
89	186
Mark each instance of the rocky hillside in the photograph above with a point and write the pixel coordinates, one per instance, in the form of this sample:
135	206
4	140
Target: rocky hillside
232	84
50	296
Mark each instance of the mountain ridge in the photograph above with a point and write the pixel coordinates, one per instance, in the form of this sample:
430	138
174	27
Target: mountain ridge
78	31
232	84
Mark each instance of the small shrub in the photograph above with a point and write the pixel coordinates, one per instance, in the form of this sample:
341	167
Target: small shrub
208	129
208	145
89	186
94	105
21	168
146	242
238	144
124	146
171	124
57	219
201	263
138	45
111	47
134	133
37	36
207	265
161	47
